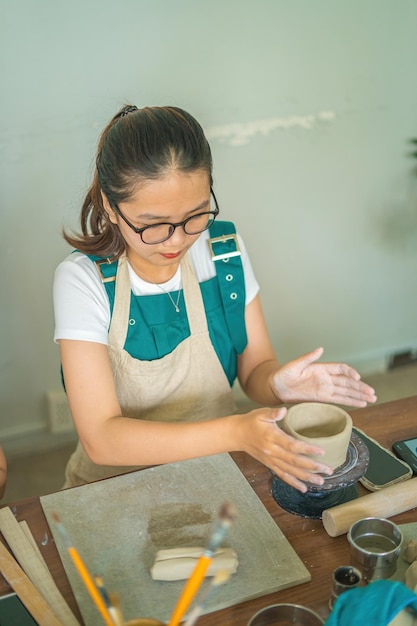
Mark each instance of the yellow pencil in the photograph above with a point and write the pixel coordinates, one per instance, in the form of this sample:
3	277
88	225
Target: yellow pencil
225	518
83	572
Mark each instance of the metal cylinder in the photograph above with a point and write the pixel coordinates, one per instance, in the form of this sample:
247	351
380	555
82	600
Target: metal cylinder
375	545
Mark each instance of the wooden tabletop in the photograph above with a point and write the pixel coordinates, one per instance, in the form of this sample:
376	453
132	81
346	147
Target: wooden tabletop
320	553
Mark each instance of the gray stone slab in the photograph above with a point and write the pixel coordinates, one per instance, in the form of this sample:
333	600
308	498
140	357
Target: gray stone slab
118	525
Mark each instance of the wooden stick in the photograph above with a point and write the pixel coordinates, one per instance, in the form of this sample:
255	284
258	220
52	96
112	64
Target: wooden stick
26	591
25	550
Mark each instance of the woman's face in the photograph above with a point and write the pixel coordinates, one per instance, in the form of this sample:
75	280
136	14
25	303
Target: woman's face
173	198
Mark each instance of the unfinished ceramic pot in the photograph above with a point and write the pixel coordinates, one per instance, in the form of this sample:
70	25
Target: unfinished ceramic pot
324	425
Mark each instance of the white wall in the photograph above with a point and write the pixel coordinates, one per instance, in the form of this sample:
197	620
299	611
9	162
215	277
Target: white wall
316	176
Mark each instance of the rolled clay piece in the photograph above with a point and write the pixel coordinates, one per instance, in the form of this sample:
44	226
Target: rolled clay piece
178	563
410	552
411	577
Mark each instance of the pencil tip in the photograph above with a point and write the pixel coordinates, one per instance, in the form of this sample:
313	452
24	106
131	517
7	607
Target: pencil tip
55	517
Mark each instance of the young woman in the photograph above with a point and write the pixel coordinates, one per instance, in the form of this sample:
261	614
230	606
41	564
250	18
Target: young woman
157	312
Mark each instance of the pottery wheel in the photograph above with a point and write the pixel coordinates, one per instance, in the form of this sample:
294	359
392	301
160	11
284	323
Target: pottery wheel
338	488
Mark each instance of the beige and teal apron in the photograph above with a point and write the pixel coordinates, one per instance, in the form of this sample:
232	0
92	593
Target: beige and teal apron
188	384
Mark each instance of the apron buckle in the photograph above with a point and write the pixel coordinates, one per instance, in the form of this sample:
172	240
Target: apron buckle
103	277
223	239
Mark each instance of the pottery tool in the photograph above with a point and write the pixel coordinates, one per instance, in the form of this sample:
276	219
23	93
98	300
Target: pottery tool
222	525
220	578
383	503
117	609
113	610
26	590
83	572
26	552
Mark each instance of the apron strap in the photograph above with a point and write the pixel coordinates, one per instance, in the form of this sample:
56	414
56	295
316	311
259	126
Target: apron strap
226	256
196	313
121	307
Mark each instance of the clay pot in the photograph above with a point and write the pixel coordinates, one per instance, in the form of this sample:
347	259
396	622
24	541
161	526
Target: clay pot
324	425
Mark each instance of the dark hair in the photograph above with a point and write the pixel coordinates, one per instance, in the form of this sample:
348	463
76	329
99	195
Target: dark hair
137	145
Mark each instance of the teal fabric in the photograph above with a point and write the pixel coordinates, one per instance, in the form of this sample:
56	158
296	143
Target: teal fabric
231	278
374	605
156	329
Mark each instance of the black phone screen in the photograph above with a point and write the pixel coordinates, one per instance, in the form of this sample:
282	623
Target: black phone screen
383	467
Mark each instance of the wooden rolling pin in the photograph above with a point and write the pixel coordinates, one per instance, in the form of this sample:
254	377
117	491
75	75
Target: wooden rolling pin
384	503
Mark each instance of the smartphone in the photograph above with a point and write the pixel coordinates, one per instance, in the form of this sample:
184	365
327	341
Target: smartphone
407	450
384	468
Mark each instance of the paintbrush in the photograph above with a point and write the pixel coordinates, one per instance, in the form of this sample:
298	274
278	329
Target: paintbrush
83	572
112	608
222	525
220	578
117	609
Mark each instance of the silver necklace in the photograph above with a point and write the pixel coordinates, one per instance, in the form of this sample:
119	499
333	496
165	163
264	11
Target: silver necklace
174	304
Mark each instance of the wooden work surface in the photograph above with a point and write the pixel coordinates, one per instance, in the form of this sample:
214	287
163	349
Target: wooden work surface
319	552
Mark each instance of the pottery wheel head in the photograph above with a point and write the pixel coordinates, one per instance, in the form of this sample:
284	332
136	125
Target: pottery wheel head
354	467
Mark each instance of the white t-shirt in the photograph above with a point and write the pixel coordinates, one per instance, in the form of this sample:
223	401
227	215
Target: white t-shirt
81	305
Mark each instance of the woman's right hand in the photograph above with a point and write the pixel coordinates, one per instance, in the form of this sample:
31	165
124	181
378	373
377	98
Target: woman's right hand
262	438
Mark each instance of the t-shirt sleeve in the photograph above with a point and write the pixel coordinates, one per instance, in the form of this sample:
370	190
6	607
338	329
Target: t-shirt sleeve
81	306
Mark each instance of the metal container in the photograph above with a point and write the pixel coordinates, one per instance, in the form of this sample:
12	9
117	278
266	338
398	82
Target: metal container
375	545
344	577
284	615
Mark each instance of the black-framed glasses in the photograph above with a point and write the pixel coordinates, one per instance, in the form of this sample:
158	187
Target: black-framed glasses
157	233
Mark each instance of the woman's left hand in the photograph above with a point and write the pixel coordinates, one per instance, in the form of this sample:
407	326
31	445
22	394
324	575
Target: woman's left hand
305	380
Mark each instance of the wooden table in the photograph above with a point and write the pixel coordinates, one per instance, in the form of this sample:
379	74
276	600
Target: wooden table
320	553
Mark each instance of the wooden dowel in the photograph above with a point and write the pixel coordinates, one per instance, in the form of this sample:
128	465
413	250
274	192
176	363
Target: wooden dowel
26	591
384	503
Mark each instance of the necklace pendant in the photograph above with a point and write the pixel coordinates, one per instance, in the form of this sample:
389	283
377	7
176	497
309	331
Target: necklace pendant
174	304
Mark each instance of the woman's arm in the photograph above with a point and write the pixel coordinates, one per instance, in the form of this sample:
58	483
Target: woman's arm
112	439
265	381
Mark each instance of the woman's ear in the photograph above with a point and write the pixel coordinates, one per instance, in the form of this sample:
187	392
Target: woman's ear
110	212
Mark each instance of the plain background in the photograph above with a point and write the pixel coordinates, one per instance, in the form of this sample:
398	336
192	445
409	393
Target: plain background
309	106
